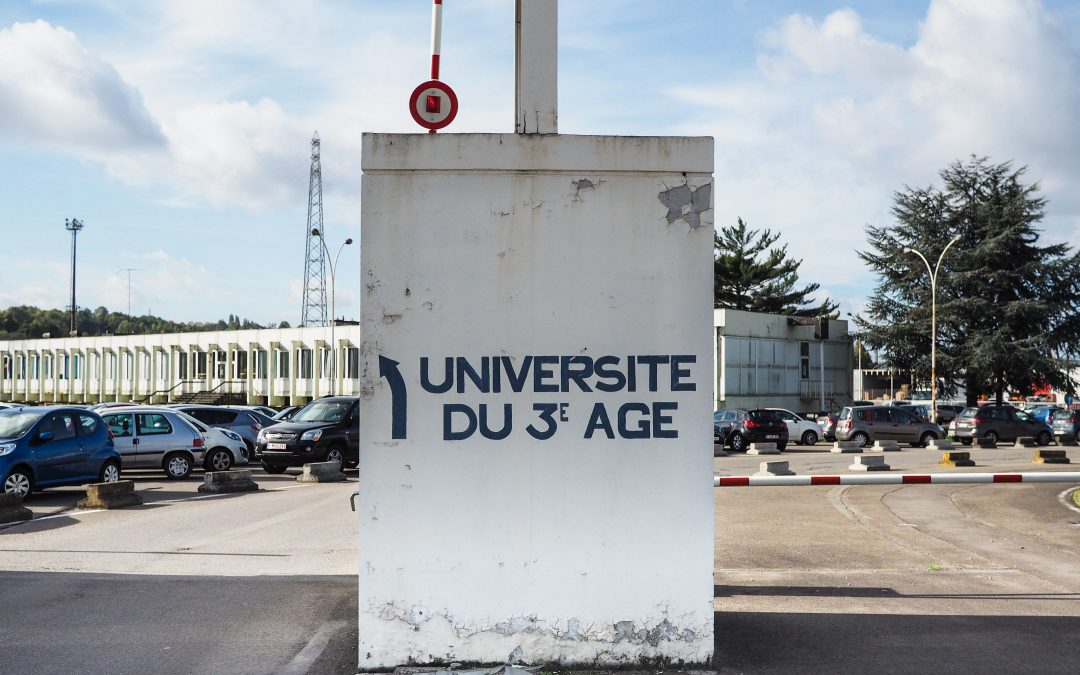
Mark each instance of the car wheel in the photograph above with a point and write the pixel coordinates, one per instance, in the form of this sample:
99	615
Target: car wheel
220	459
110	472
177	466
738	443
925	439
965	441
1043	438
781	446
18	482
335	454
991	436
860	439
809	438
273	468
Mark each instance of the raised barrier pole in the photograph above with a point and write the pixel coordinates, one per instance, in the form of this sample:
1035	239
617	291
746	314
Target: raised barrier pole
900	479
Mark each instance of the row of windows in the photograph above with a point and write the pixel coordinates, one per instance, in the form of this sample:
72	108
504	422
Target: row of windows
37	366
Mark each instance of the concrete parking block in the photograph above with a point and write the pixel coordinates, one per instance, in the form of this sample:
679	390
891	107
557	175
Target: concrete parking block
114	495
1050	457
846	447
869	463
775	468
719	451
321	472
763	449
1025	442
1066	440
12	509
956	458
941	444
229	481
885	446
985	442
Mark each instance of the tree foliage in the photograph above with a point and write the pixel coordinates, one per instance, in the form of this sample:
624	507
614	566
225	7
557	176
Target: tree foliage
749	273
1004	312
31	322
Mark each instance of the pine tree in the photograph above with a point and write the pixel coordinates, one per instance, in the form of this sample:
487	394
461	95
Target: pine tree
1003	314
749	274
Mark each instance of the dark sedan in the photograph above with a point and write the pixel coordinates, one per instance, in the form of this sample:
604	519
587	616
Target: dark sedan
739	428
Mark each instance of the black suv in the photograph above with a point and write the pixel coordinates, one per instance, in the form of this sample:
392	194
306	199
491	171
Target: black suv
739	428
325	430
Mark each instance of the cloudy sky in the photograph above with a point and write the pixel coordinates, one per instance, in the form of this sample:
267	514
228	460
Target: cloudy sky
179	130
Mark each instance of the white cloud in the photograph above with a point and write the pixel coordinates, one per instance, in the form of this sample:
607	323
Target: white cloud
53	91
839	119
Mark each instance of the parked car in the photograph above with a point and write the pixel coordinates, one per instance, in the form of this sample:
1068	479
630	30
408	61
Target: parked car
1000	422
864	425
51	446
101	407
285	414
156	438
224	448
247	423
920	410
1045	413
10	406
827	422
798	427
325	430
1066	422
946	413
263	409
739	428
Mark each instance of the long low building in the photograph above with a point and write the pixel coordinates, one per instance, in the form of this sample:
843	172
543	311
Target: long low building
271	366
761	360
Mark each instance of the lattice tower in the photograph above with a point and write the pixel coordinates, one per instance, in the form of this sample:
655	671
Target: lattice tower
314	312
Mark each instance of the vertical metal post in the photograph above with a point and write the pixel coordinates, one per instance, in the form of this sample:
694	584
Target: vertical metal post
73	226
933	272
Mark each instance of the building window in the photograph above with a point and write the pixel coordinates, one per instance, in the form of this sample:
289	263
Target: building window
200	365
260	364
48	366
325	369
304	363
181	365
352	363
282	363
240	364
804	360
219	364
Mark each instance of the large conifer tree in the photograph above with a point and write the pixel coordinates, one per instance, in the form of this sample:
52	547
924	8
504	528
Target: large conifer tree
1003	309
752	275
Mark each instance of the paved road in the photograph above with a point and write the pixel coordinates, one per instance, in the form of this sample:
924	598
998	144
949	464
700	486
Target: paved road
916	578
820	579
183	584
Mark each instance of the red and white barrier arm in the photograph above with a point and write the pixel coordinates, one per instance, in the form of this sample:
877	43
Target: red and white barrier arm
436	37
900	479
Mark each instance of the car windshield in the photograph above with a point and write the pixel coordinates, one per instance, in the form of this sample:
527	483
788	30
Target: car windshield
322	411
192	421
968	412
15	424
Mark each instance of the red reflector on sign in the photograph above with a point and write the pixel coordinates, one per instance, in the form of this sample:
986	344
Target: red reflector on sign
433	103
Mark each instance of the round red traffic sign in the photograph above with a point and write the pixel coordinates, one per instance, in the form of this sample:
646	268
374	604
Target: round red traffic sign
433	104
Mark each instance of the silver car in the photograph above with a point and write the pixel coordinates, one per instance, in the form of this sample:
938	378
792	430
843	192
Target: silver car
866	424
155	438
224	448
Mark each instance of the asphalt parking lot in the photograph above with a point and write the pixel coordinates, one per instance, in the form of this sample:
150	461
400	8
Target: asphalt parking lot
954	578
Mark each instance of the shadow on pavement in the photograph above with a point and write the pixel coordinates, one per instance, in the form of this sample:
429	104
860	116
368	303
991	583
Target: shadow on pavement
870	592
750	642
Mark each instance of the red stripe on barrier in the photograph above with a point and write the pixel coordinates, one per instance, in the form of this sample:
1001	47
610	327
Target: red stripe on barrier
728	481
916	478
1008	478
434	66
824	480
438	2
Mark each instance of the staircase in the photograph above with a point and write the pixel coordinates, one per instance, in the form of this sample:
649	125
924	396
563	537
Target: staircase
212	398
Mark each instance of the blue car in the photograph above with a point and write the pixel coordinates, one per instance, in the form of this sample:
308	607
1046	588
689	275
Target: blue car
54	446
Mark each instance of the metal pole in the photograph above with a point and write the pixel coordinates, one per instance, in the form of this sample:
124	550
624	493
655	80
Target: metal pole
333	308
933	272
73	226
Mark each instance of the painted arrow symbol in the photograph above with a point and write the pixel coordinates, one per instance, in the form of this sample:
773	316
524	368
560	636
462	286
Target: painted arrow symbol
388	368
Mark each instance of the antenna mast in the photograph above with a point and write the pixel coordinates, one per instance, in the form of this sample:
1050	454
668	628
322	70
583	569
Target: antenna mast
314	311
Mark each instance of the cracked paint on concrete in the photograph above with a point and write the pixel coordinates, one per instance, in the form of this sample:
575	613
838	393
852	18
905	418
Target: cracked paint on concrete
532	639
688	204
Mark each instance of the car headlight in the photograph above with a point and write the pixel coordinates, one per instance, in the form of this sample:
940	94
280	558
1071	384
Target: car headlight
6	449
313	435
261	438
236	437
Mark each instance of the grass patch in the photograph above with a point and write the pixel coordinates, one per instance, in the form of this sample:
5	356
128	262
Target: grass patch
1076	496
934	567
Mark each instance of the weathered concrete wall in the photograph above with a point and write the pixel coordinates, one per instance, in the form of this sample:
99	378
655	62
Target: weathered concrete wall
546	540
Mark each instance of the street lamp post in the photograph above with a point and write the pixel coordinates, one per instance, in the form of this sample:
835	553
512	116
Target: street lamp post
333	267
933	320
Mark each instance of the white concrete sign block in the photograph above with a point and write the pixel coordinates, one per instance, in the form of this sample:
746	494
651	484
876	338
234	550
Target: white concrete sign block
536	362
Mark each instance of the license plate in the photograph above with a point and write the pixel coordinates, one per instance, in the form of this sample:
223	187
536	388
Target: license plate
772	437
275	446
